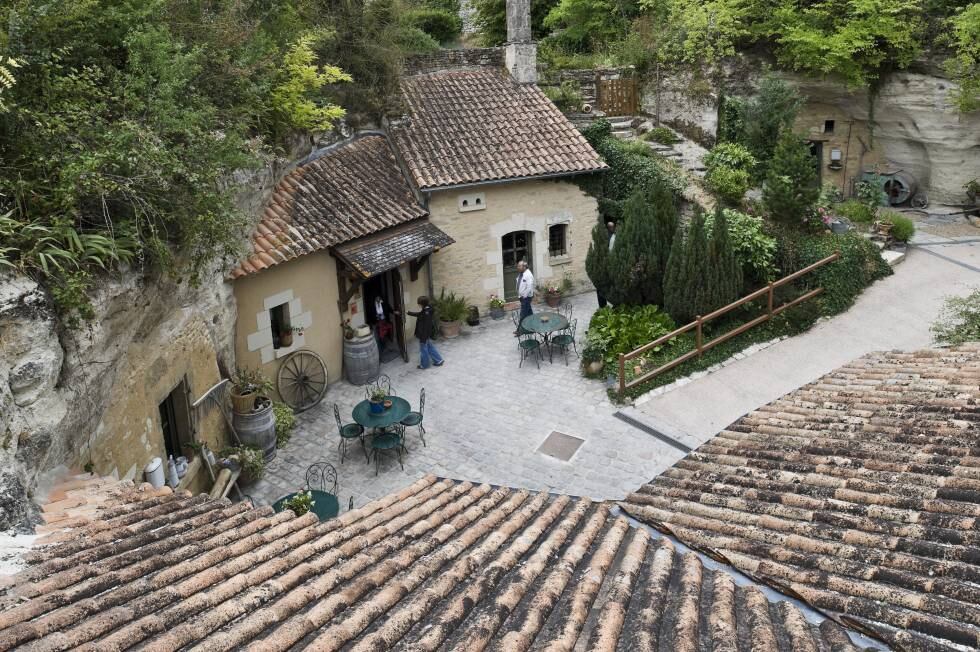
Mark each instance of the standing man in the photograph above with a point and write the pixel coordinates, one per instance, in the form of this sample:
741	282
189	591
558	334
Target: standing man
423	331
525	291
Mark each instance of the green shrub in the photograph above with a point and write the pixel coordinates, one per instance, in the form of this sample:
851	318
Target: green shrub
449	307
730	155
731	120
628	171
754	248
661	134
441	25
637	148
729	185
959	320
859	266
766	115
791	191
567	97
855	211
285	422
902	227
251	459
621	329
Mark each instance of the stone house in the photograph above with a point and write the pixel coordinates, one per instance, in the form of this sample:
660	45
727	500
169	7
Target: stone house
480	160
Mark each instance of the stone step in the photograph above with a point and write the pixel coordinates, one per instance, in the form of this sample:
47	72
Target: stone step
893	257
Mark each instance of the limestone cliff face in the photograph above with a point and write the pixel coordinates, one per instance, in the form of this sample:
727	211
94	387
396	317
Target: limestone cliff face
70	397
913	126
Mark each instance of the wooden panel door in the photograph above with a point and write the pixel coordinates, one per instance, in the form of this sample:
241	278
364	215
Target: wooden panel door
619	96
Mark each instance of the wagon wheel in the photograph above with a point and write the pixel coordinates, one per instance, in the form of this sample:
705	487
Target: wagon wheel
302	380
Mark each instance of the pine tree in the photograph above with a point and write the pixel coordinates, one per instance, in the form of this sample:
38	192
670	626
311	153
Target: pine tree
675	277
726	270
791	188
597	259
690	274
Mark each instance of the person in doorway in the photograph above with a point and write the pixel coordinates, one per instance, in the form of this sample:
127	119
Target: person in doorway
525	290
611	230
379	316
424	317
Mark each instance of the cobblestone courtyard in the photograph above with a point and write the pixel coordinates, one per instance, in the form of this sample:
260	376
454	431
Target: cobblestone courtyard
485	419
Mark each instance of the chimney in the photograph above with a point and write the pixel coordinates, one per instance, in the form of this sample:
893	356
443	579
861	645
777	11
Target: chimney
521	54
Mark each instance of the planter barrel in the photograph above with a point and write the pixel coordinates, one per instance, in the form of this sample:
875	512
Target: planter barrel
361	360
450	329
257	429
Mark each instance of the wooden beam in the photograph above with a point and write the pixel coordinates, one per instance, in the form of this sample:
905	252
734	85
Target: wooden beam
415	266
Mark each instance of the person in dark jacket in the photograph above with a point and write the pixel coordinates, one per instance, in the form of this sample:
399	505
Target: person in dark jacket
423	331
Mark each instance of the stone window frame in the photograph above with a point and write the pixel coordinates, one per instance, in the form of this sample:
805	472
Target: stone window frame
565	258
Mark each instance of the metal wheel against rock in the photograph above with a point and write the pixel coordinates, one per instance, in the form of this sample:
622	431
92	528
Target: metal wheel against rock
302	380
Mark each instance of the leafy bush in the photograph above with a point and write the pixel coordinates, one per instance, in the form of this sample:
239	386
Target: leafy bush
628	171
791	190
251	459
440	24
754	248
285	422
730	155
964	65
902	227
727	184
959	320
621	329
449	307
661	134
731	120
855	211
858	267
567	96
294	98
870	194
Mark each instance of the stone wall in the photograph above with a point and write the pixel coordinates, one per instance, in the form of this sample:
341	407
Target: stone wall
913	127
447	59
473	266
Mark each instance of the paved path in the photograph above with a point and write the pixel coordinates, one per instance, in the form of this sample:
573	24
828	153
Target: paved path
894	313
485	419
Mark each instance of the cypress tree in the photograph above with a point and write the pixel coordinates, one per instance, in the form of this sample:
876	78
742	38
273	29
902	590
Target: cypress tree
597	259
791	189
674	277
690	274
726	270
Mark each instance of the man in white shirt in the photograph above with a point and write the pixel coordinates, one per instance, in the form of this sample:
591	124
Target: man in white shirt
525	289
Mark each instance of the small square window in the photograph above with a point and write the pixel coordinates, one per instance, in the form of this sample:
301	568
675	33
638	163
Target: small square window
279	319
558	240
828	126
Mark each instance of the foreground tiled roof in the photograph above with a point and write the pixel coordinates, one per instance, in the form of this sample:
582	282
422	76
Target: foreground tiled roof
472	126
440	565
352	190
390	248
859	492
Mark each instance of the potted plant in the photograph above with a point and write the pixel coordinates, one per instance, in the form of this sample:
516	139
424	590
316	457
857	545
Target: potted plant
496	307
376	397
473	316
247	458
286	337
247	386
451	310
592	359
552	295
301	502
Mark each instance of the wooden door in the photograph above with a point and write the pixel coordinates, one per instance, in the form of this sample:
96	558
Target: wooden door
397	302
618	96
515	247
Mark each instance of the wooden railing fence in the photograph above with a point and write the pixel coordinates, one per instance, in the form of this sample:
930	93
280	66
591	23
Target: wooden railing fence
698	325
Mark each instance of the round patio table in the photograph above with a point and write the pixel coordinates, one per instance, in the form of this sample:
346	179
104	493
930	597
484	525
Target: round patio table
545	327
399	410
325	505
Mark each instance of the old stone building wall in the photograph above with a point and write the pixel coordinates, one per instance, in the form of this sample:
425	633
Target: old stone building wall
910	125
474	265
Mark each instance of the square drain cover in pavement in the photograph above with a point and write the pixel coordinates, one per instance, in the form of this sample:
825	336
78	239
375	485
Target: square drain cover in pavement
560	445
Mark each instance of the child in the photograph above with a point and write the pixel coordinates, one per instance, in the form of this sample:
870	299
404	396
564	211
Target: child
423	331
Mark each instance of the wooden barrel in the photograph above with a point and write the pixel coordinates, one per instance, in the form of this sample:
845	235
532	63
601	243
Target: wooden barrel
361	359
257	429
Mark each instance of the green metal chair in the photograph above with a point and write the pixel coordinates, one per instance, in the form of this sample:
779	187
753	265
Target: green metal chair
415	418
529	345
348	432
389	441
565	339
515	316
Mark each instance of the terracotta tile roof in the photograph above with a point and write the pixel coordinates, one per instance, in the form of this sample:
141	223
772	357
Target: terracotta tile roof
440	564
390	248
859	493
471	126
352	190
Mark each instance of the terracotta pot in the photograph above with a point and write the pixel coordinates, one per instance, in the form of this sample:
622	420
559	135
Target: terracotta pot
243	403
286	339
450	329
552	299
595	367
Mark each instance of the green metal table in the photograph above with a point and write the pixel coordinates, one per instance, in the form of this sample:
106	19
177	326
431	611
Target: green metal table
399	410
544	324
325	505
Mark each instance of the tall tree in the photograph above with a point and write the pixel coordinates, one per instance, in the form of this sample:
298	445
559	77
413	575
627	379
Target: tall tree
597	259
690	274
726	268
771	111
791	188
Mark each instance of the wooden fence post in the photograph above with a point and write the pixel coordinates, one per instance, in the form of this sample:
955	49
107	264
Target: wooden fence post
699	334
770	299
622	374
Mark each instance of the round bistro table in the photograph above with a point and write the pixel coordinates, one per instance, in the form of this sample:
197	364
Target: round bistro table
390	416
544	327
